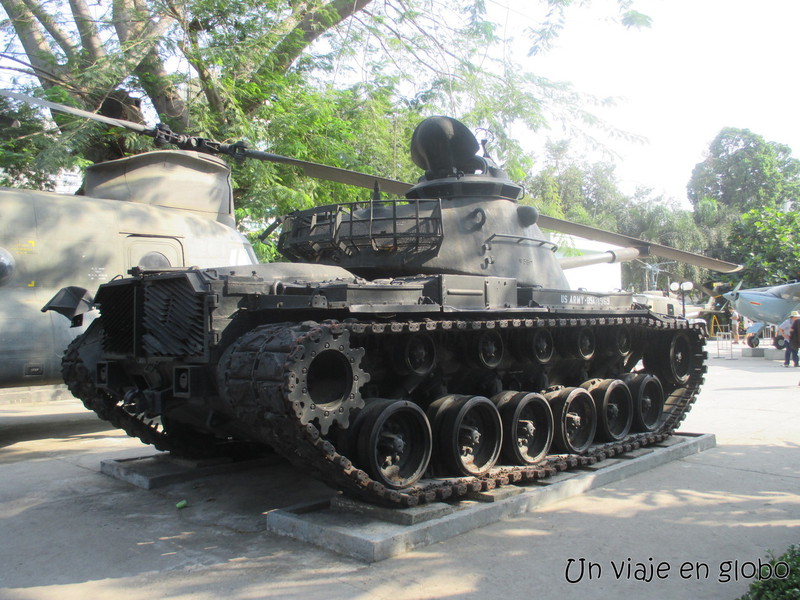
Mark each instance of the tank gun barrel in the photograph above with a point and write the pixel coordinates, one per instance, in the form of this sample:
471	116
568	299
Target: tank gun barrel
646	248
610	256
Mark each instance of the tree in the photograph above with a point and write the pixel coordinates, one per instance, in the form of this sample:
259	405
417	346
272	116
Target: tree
21	141
743	171
586	193
589	194
660	220
217	64
765	242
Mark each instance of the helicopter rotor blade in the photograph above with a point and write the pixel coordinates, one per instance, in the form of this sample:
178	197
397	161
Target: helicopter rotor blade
78	112
616	239
310	169
334	174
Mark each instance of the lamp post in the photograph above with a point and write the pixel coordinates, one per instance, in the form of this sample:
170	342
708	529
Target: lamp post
686	286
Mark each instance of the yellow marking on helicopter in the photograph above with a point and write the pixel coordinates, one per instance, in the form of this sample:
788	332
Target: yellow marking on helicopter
25	247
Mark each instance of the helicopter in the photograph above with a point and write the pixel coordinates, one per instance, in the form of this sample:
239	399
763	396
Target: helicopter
157	209
667	303
166	208
766	305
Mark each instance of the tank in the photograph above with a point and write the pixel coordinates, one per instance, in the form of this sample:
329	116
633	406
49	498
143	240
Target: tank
413	349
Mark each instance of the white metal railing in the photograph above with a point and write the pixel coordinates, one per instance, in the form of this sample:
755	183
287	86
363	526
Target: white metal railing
724	342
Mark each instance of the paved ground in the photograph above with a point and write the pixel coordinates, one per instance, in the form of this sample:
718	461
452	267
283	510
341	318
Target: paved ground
67	531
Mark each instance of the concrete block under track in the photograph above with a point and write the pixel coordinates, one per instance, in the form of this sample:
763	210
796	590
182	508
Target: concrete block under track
373	533
160	469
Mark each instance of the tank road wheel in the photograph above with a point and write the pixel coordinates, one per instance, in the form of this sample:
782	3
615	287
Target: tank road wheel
614	405
469	434
394	442
671	359
680	359
648	401
575	419
527	426
416	354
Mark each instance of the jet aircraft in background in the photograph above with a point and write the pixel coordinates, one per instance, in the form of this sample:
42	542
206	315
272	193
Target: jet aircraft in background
765	306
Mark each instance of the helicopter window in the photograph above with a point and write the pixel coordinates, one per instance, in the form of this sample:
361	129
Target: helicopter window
7	265
154	260
153	252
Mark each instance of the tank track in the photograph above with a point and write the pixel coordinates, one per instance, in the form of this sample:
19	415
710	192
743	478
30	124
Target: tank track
260	367
148	430
304	445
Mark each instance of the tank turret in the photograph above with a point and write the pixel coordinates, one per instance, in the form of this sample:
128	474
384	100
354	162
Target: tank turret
462	217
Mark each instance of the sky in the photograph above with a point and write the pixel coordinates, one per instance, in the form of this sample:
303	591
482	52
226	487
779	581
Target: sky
701	66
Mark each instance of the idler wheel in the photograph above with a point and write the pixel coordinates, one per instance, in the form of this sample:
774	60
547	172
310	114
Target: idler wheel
575	419
416	354
614	405
394	442
527	426
469	434
489	349
648	401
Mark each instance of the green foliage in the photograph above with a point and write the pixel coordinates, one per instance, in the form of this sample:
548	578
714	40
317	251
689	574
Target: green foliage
544	194
661	221
26	141
779	588
585	193
311	80
357	129
588	193
555	17
743	171
766	243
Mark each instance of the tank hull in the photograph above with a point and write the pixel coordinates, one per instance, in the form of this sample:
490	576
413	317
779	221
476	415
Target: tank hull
396	391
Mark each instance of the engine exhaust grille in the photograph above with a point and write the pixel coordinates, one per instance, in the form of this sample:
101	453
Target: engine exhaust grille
117	309
172	319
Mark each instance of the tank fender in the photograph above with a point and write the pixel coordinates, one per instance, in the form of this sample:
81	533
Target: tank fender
288	272
72	302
